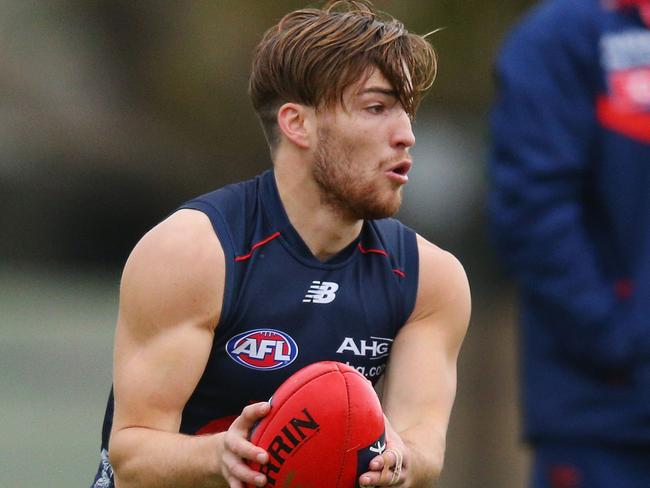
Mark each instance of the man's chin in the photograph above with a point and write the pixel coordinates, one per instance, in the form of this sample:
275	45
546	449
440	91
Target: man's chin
379	212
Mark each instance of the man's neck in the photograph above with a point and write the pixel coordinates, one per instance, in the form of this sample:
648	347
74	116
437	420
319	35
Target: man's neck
323	229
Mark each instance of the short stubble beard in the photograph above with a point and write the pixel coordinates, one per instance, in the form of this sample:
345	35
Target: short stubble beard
344	187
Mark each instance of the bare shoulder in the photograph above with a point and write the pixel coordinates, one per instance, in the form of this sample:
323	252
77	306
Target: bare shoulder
175	273
443	285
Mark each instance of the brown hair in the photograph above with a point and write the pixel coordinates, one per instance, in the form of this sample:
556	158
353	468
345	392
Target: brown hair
312	55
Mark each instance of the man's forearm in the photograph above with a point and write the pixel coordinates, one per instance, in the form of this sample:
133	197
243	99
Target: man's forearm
144	458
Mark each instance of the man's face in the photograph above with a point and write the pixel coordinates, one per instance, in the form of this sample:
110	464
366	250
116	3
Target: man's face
361	158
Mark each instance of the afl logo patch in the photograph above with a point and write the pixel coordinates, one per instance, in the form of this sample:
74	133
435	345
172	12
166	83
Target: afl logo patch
262	349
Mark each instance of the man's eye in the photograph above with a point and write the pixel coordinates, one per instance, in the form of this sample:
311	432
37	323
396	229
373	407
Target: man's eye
376	109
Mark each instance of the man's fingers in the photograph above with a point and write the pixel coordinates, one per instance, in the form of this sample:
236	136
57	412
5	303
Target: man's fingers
241	472
238	449
251	414
235	439
377	463
245	449
377	478
255	411
385	470
371	479
395	470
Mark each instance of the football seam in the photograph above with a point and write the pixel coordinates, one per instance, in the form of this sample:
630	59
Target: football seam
347	429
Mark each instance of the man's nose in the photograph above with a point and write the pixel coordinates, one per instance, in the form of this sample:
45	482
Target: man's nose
403	133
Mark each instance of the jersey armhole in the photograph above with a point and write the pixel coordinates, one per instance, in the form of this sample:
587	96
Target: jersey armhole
401	243
225	238
411	262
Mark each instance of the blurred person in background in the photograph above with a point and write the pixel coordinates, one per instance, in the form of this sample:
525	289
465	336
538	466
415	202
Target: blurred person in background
304	257
570	212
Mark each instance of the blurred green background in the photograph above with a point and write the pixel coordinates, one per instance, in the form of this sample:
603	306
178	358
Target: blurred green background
114	112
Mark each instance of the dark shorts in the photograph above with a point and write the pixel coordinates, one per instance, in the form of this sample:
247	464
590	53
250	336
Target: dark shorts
104	476
590	467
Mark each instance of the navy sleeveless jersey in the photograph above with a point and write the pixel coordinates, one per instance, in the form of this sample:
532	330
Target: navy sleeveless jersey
283	309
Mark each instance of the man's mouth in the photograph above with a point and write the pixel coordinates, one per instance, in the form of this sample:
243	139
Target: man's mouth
399	171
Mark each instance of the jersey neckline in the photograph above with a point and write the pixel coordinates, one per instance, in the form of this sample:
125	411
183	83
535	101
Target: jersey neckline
279	221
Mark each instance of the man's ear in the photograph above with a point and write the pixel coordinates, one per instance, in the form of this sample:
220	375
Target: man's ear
294	121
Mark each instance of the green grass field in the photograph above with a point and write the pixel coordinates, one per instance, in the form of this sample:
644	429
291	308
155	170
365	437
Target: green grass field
55	360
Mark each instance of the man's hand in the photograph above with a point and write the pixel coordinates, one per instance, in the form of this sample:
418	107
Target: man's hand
391	467
236	449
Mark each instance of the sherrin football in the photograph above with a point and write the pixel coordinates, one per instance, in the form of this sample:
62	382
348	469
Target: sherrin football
324	427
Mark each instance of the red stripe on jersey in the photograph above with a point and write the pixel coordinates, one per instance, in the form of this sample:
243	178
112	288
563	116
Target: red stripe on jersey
255	246
635	125
375	251
381	252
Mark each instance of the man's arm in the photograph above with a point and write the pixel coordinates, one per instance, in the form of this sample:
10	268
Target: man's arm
420	382
170	302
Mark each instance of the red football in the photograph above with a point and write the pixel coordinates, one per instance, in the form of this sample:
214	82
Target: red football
324	427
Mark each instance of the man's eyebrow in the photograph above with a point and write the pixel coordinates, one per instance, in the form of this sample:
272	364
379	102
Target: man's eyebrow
377	89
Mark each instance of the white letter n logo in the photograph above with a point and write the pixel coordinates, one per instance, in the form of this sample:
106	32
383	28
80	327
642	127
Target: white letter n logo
321	292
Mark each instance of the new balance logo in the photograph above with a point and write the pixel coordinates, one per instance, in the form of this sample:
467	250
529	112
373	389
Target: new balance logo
321	292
